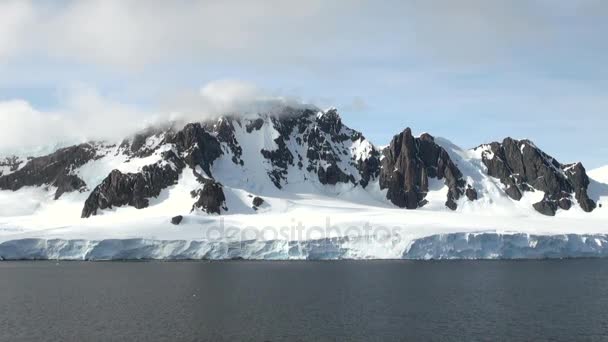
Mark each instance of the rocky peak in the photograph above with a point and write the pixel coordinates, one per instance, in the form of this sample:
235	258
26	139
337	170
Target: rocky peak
142	144
134	189
55	169
408	164
321	145
210	198
330	121
523	167
224	131
308	144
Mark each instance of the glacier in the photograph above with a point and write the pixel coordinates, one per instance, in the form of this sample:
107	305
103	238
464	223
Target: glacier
434	247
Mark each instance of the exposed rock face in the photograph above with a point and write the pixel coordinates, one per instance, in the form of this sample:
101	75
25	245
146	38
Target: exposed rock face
254	125
332	175
224	130
196	146
330	122
138	145
134	189
326	148
280	159
54	169
521	167
68	183
408	164
210	198
578	178
546	207
369	167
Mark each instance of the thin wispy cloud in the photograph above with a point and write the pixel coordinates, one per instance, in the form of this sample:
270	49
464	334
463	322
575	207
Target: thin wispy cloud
87	115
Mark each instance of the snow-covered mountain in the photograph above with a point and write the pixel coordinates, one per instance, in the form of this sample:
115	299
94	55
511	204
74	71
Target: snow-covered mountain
296	183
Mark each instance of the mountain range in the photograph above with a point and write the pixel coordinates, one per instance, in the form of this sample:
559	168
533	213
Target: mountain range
170	185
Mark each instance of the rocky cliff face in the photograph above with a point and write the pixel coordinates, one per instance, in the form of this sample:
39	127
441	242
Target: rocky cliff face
523	167
55	170
192	146
324	147
410	162
196	146
210	198
134	189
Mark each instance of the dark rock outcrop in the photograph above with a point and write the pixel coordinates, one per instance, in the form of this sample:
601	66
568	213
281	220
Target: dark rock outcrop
254	125
471	194
196	146
176	220
330	122
326	144
521	167
565	203
579	180
369	167
134	189
54	170
136	146
224	131
546	207
408	164
257	202
280	159
68	183
332	175
210	198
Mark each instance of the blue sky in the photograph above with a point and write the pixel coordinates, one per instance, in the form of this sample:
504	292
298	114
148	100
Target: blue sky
472	71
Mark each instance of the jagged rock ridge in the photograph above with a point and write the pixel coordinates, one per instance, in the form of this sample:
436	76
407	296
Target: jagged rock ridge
55	170
134	189
329	149
306	141
522	167
194	147
408	164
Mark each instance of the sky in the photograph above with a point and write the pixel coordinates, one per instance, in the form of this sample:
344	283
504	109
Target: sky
472	71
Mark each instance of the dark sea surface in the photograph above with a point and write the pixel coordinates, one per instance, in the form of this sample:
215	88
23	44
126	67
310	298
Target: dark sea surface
553	300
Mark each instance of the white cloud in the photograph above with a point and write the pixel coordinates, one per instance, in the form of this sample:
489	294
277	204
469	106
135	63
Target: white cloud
225	95
23	126
86	115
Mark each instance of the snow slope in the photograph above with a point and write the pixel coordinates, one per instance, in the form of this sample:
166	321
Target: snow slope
304	219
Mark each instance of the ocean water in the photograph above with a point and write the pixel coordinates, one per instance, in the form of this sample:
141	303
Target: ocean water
553	300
